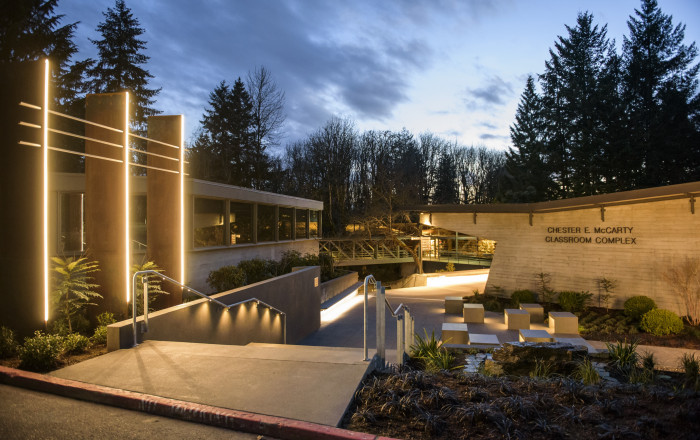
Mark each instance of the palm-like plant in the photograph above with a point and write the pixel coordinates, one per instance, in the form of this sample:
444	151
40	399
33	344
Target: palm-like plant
154	285
73	290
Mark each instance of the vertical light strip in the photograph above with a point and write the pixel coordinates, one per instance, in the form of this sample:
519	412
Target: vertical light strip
127	256
182	199
45	133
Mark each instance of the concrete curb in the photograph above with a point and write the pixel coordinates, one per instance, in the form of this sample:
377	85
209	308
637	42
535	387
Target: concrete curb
284	429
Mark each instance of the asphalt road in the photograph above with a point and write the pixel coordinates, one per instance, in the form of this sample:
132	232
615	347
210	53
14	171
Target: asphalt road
26	414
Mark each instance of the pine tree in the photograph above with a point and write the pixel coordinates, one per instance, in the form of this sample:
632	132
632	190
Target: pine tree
223	149
527	174
446	184
577	139
119	65
661	93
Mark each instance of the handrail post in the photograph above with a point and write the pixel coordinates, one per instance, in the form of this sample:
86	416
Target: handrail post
144	280
368	278
400	347
381	323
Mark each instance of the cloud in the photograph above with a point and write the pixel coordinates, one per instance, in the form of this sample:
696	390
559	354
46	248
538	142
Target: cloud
496	91
487	136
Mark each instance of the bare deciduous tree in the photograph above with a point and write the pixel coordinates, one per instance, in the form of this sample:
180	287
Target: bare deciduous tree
684	279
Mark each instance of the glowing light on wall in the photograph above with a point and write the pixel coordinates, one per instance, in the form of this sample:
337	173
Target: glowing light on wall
182	199
45	130
127	256
341	307
454	280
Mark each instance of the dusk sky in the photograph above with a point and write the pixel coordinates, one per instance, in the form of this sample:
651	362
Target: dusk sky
455	68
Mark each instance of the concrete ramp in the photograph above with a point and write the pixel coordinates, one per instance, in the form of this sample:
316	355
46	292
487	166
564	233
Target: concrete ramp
314	384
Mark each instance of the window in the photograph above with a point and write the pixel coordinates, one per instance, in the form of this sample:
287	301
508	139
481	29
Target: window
71	222
286	223
266	223
313	224
302	220
138	223
241	219
208	222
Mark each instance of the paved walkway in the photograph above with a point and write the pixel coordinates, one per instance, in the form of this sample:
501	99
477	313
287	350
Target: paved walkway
303	383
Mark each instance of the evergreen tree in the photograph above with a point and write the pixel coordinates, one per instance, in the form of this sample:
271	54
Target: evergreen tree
526	177
119	65
446	184
576	137
660	91
222	151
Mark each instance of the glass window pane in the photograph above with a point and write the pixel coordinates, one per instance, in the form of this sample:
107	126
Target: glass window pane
266	223
208	222
138	223
313	224
241	219
72	226
285	223
302	219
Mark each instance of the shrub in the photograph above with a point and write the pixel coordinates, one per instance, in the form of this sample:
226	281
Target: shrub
75	343
258	269
637	306
586	372
431	353
226	278
106	318
493	305
623	356
100	335
41	352
543	280
660	322
691	370
8	345
574	301
522	296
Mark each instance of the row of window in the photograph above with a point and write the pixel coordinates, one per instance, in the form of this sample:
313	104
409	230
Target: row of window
224	222
216	223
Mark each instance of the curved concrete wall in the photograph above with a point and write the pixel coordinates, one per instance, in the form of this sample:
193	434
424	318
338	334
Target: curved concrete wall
633	244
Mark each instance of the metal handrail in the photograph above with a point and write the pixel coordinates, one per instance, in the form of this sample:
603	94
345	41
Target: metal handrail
368	279
196	292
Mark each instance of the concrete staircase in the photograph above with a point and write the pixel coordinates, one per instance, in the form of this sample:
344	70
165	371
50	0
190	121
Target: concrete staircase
314	384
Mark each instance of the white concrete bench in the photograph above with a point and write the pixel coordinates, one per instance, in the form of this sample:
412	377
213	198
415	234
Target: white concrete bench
536	311
526	335
473	313
516	319
453	304
454	333
563	322
484	340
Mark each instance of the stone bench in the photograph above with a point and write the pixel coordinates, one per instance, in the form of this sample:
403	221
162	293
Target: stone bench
563	322
536	311
454	333
483	339
517	319
453	304
473	313
526	335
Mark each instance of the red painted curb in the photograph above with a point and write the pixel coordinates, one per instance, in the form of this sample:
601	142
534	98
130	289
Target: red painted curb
284	429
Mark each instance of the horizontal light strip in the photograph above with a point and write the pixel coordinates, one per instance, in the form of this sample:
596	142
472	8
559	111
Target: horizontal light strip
32	106
27	124
136	150
153	140
78	153
106	127
29	144
152	168
65	133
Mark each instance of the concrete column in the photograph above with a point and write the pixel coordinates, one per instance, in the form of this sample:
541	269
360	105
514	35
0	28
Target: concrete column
21	192
163	196
105	199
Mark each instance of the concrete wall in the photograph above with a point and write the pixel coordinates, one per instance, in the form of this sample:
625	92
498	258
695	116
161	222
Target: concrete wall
202	261
653	236
333	287
297	294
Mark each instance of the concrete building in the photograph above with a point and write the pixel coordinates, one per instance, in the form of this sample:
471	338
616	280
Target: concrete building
631	237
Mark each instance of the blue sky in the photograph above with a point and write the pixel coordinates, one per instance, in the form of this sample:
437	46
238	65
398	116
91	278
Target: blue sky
455	68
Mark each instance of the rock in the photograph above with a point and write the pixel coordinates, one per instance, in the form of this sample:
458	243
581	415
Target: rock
519	358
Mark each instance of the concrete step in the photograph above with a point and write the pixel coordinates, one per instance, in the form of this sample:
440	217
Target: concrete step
314	384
